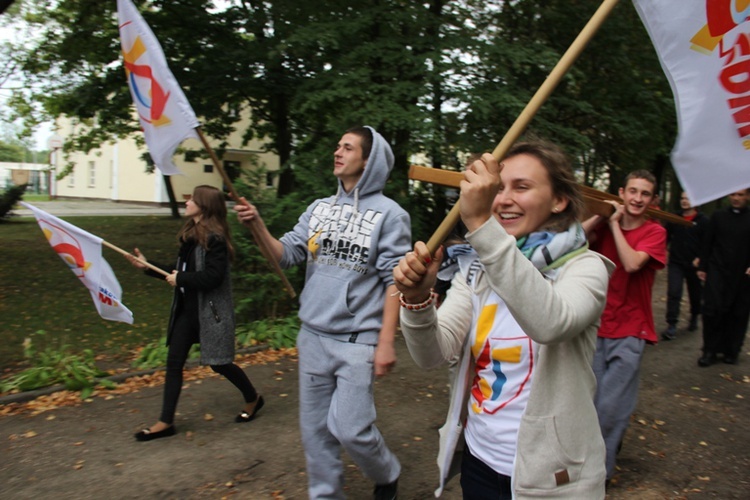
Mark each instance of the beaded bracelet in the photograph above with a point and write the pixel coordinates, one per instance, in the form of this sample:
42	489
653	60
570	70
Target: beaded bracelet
422	305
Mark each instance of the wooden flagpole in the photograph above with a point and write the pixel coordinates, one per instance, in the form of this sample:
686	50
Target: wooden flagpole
595	199
531	109
150	266
254	229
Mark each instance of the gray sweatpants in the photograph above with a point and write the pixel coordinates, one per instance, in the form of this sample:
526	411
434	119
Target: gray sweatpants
617	365
337	409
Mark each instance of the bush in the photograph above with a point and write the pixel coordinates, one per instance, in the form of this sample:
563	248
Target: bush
57	366
9	198
276	333
154	355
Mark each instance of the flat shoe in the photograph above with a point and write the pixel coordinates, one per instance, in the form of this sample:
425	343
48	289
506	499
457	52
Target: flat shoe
247	417
147	435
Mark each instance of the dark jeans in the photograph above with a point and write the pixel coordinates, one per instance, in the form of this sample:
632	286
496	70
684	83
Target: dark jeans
676	275
184	335
480	482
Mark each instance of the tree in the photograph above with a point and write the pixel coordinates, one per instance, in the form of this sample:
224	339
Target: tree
612	112
439	77
11	152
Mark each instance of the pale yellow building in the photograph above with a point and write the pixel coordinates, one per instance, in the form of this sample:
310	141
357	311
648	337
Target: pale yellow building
115	171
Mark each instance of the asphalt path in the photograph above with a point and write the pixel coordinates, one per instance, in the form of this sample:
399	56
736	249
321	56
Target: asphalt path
72	208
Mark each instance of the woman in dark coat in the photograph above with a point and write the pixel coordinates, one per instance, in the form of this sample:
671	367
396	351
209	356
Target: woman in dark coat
202	309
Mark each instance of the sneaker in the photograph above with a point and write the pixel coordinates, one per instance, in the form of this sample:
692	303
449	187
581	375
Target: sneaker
670	333
693	326
386	491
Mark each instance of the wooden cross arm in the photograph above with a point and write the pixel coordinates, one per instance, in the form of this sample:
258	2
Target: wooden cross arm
595	199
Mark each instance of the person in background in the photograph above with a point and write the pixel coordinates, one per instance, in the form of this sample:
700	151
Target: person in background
725	268
351	242
522	317
202	308
684	247
637	246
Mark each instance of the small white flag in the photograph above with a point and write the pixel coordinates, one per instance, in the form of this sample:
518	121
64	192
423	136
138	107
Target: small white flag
163	110
704	48
82	252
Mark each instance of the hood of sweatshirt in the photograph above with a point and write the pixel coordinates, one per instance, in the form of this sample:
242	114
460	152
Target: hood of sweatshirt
375	174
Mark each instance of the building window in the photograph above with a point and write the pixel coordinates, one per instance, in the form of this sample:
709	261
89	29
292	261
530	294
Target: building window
92	174
233	169
72	179
269	179
208	168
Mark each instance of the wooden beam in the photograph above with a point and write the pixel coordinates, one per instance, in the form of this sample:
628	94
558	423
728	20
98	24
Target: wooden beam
595	199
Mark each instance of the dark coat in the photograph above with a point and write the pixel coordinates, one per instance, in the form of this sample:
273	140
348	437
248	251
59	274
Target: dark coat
205	274
685	241
725	257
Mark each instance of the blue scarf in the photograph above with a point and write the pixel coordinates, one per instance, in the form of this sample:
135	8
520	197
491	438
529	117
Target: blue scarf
546	250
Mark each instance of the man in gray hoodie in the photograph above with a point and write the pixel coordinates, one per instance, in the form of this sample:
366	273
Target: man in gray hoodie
351	242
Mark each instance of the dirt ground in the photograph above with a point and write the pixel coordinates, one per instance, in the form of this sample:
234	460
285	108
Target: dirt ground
689	438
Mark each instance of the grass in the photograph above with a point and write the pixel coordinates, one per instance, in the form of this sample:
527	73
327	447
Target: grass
31	197
39	292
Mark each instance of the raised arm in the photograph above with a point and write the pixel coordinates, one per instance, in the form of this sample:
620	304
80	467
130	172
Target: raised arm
249	216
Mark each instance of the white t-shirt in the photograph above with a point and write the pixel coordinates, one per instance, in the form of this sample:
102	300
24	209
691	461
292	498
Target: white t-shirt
504	359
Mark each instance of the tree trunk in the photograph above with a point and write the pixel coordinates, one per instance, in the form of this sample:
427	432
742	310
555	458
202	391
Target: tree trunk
170	194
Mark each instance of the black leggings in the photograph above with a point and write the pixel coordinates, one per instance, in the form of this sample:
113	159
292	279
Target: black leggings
184	335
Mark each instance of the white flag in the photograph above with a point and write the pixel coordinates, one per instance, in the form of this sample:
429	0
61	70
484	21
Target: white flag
163	110
82	252
704	48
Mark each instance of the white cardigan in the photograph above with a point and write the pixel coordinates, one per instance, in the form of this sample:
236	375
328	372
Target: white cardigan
560	452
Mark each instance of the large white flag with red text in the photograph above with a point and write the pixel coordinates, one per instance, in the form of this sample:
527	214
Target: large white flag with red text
82	252
163	110
704	48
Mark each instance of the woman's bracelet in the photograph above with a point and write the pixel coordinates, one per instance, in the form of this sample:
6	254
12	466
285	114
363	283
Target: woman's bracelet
422	305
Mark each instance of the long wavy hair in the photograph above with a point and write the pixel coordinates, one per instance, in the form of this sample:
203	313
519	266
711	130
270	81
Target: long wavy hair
212	222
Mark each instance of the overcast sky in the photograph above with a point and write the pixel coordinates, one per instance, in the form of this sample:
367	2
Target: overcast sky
44	131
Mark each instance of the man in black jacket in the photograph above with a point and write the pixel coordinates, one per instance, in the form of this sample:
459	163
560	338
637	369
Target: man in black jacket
725	267
684	248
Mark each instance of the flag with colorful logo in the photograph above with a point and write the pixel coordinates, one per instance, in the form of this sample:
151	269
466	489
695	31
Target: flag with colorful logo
163	110
704	48
82	253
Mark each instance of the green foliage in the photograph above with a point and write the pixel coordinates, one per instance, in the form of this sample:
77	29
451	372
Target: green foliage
9	198
436	78
258	292
11	152
50	366
276	333
154	355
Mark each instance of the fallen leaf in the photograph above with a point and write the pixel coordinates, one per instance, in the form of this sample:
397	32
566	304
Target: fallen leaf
417	438
703	443
208	417
704	478
29	434
79	443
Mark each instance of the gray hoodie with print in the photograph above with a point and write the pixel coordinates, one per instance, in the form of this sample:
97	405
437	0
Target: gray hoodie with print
351	242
